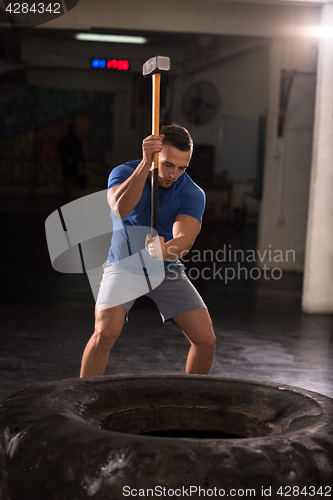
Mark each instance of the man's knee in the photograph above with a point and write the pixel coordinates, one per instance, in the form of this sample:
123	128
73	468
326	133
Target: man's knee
108	326
104	339
206	345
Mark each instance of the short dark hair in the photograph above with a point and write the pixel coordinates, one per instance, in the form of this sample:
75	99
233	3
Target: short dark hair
177	136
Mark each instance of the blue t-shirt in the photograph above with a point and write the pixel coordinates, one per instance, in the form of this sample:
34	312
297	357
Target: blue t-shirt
182	197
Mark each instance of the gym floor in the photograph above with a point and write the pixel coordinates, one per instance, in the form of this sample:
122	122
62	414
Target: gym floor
47	317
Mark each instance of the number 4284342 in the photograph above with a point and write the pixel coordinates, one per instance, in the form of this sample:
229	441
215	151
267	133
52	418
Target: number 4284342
310	491
35	8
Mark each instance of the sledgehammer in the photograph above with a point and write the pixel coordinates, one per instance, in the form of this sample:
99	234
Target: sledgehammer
154	67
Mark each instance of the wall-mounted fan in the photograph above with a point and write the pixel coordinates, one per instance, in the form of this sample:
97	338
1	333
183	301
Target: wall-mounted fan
201	102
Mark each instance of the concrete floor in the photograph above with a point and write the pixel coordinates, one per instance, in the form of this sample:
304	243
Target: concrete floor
48	317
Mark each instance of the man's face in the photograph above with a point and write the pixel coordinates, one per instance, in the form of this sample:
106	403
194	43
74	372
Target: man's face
172	164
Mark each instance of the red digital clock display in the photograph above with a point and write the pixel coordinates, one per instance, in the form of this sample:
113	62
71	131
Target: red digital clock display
119	64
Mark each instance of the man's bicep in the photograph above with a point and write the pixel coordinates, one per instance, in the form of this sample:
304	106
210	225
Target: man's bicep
111	198
186	225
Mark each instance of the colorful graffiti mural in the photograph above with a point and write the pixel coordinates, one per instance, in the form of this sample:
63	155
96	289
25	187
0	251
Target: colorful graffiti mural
32	124
34	108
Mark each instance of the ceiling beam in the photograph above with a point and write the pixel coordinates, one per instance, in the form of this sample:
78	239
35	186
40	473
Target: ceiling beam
265	19
300	3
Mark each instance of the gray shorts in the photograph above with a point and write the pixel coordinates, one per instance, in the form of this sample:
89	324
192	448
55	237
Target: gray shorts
175	295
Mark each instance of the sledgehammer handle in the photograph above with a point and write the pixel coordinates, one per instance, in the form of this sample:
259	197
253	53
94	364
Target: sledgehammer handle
155	131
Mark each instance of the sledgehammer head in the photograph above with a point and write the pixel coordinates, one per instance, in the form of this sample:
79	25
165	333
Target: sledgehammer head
156	64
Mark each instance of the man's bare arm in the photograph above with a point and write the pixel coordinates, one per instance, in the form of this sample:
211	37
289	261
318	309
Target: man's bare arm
185	231
124	197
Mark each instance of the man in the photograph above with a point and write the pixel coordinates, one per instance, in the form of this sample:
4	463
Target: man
70	149
181	205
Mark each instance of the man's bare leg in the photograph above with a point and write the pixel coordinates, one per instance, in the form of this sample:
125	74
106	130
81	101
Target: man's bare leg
108	326
197	327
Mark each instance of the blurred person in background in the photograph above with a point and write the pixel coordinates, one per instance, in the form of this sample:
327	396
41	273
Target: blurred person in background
71	151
